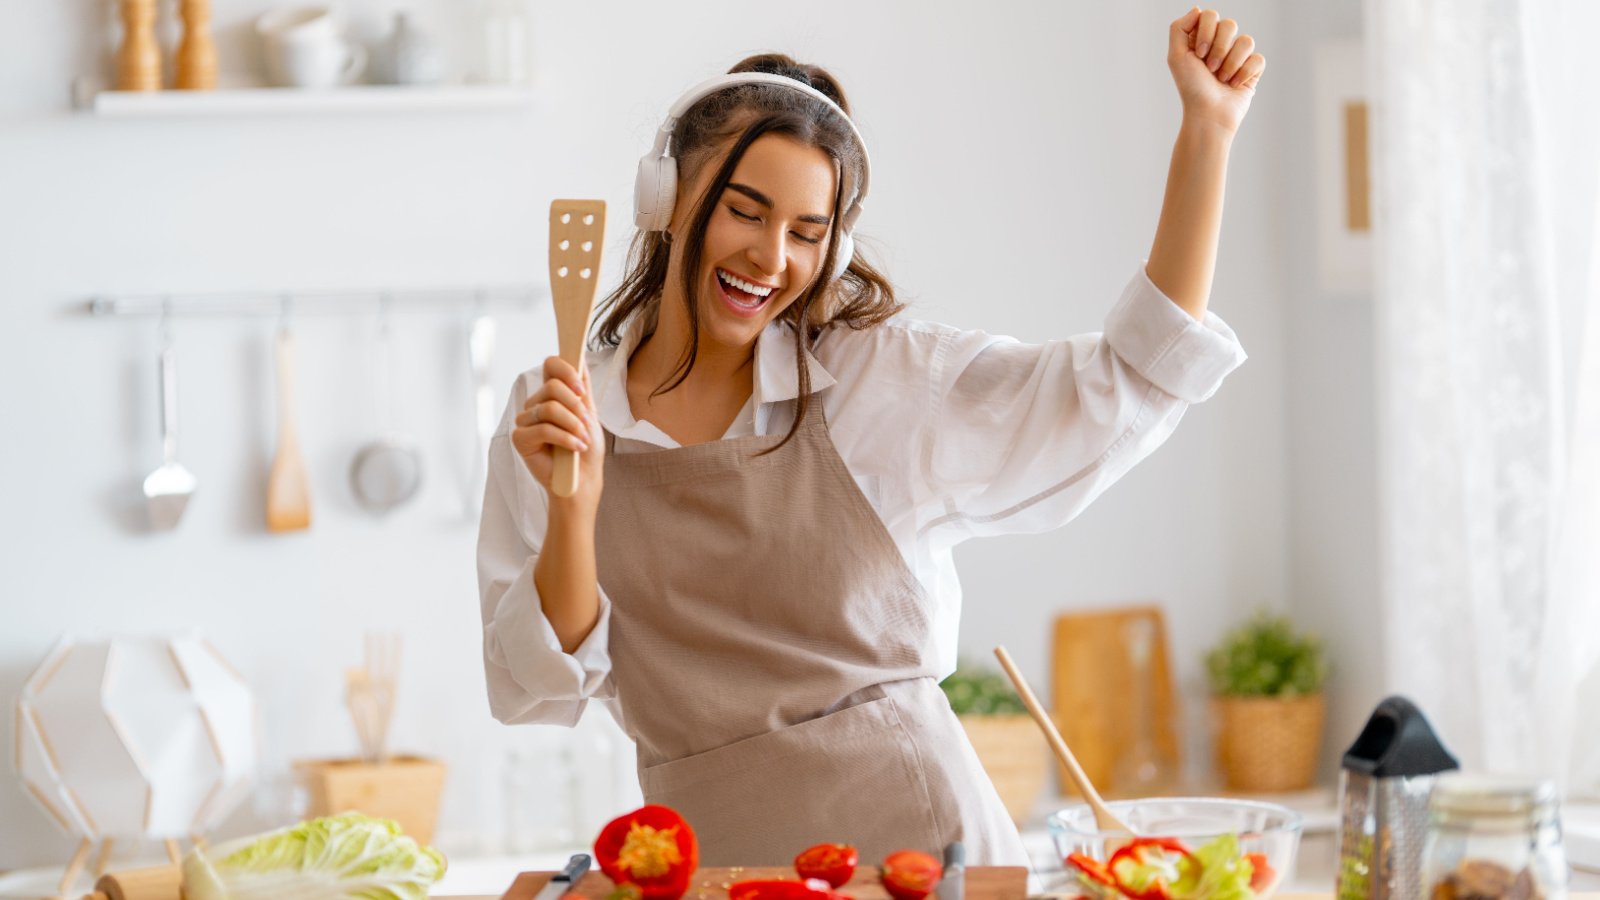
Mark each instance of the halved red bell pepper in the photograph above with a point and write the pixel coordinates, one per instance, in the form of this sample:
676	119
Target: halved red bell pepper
652	848
1130	867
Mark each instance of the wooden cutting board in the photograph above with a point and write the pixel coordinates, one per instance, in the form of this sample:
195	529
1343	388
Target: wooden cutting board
983	883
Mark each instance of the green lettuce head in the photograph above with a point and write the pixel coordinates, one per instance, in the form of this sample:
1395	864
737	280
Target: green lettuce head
335	858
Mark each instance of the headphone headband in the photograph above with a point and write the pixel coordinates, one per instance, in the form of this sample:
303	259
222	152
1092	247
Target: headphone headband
712	85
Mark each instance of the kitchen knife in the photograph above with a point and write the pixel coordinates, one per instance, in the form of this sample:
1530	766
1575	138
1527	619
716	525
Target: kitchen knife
566	879
953	886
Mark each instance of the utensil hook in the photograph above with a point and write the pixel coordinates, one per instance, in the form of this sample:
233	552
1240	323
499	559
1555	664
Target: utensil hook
164	325
386	410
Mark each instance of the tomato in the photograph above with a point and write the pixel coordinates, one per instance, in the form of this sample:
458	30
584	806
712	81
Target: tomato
652	848
1262	875
833	863
811	889
910	874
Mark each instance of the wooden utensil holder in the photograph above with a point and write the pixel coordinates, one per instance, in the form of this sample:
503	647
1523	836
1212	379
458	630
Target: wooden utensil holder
404	788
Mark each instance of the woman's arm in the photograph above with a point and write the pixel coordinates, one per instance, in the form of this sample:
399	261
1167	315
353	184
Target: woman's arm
1216	70
562	414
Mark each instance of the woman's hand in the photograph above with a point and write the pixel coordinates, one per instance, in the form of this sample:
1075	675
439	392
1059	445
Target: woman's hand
1216	68
561	413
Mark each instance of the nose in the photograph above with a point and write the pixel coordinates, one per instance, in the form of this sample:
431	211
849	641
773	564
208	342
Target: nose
766	252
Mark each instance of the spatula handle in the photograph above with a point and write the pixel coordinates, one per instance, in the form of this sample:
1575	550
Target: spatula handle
564	480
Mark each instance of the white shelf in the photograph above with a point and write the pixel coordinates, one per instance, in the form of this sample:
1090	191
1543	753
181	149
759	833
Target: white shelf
252	101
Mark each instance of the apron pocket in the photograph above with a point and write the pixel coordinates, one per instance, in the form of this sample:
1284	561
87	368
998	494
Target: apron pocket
851	776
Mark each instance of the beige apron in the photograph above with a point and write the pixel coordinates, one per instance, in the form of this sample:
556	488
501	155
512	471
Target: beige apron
769	648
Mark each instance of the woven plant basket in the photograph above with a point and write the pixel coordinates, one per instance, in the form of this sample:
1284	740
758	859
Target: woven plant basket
1015	755
1268	744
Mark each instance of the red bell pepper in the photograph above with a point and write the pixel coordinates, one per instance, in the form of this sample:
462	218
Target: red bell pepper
778	889
1142	868
652	848
1092	868
1262	876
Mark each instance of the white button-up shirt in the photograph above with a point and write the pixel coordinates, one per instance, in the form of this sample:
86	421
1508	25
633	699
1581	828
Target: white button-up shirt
950	434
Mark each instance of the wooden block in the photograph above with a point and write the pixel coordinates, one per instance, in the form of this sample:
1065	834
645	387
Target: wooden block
404	788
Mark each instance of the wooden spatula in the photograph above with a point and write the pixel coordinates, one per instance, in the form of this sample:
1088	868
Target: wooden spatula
577	229
1104	818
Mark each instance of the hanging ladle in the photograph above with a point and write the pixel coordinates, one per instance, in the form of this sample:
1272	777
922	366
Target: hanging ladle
167	490
387	472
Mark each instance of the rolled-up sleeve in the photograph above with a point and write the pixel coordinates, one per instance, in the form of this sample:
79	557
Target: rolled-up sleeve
1021	437
530	678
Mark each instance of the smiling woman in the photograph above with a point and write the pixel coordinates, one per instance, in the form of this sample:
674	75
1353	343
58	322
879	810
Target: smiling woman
755	575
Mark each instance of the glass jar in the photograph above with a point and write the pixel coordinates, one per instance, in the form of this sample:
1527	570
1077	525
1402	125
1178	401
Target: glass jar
1492	838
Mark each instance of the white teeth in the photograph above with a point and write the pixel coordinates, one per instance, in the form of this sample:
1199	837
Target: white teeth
742	285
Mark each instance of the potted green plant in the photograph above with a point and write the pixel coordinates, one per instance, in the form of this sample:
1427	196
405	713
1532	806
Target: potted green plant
1006	738
1266	684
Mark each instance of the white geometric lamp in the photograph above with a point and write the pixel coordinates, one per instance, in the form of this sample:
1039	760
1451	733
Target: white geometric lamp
136	737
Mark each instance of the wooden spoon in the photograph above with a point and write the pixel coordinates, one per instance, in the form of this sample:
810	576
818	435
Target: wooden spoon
1104	818
288	489
577	228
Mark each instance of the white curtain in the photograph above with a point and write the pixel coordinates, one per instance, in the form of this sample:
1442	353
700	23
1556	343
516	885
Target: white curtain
1485	115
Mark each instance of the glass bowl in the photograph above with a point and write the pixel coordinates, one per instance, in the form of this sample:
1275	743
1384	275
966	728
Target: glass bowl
1267	829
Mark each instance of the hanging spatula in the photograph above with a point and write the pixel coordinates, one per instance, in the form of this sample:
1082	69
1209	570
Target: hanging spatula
288	489
577	228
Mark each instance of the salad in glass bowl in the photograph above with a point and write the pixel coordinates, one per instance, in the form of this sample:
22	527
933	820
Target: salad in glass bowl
1187	848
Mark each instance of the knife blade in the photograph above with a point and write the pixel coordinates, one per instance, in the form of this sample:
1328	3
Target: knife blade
566	879
953	886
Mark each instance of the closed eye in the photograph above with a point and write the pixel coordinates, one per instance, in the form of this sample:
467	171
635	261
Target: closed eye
746	217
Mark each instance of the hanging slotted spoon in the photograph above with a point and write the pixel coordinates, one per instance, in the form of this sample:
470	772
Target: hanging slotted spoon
577	228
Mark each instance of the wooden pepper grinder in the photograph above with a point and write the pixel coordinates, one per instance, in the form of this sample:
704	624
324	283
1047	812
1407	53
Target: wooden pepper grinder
139	57
197	53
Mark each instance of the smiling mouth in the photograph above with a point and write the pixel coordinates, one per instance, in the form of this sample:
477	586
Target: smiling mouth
743	294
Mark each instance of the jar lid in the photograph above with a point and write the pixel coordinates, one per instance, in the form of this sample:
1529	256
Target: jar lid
1491	795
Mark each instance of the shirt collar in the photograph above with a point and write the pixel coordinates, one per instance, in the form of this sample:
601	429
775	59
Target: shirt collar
777	378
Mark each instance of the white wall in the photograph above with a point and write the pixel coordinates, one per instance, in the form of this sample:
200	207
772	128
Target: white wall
1015	138
1331	418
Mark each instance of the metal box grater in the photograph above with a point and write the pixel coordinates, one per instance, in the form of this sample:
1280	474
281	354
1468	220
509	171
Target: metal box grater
1384	783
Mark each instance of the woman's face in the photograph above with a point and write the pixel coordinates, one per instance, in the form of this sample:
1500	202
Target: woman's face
766	237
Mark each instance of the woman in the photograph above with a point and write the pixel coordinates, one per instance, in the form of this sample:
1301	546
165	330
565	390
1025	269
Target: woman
755	575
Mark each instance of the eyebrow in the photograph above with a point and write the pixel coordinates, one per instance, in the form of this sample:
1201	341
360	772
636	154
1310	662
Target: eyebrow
764	200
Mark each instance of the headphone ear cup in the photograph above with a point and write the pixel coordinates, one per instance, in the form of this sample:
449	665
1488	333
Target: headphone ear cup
655	191
842	257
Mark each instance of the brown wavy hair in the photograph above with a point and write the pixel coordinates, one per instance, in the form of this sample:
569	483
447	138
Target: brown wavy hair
860	298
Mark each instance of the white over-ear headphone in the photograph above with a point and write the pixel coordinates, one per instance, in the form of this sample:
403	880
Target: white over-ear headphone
655	189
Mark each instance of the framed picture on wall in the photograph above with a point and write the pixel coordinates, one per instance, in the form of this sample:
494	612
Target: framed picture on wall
1343	170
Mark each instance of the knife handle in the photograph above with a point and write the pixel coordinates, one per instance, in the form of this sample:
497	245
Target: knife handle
955	855
576	867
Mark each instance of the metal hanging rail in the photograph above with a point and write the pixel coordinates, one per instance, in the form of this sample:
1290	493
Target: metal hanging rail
352	302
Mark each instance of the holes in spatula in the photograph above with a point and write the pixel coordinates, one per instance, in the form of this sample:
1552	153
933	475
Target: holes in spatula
584	273
587	246
566	218
561	272
589	219
564	244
